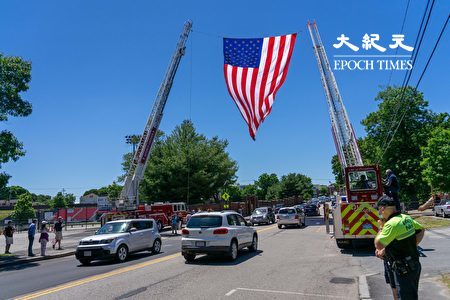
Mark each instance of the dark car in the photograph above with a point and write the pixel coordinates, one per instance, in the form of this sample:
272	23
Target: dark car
262	215
311	210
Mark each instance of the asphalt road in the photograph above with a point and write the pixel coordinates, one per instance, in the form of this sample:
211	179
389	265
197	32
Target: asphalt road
30	277
290	264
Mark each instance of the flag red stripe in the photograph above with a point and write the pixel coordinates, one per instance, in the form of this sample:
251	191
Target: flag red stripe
264	76
274	85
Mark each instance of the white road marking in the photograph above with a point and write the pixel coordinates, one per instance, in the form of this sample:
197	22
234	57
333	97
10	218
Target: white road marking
288	293
230	293
363	288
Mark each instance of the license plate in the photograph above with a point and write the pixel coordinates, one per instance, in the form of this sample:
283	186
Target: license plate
87	253
200	244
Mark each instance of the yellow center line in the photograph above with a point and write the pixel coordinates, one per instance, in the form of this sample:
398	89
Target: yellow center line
98	277
108	274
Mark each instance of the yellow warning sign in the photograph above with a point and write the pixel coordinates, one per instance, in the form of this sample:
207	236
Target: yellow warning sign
225	196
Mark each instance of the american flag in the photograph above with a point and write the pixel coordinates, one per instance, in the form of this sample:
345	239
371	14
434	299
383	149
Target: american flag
254	71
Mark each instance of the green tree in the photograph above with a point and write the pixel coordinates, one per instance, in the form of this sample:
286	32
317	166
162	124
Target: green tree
273	192
249	190
187	165
15	74
264	182
403	155
235	193
70	199
59	201
23	210
296	185
436	160
323	191
338	173
41	199
114	190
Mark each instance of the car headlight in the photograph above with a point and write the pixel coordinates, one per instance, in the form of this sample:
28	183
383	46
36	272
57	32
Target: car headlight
107	241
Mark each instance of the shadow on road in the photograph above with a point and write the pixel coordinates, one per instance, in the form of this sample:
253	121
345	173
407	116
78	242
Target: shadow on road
215	260
19	266
132	257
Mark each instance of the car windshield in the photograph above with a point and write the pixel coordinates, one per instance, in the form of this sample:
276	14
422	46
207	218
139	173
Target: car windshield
260	211
287	211
205	221
116	227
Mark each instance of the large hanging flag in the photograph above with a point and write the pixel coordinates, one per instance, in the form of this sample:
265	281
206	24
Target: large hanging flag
254	71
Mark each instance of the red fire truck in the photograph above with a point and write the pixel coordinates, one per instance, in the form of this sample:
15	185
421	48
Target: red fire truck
160	212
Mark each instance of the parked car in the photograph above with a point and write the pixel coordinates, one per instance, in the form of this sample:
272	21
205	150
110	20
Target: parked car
277	207
311	210
223	233
262	215
117	239
290	216
442	209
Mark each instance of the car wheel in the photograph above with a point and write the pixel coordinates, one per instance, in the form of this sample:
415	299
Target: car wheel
85	262
254	246
436	213
279	226
156	246
299	225
444	214
122	253
189	257
233	251
159	226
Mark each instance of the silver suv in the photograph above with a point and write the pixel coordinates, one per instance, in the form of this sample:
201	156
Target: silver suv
117	239
217	233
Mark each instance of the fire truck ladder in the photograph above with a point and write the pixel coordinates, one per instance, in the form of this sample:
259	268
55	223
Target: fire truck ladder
129	196
343	133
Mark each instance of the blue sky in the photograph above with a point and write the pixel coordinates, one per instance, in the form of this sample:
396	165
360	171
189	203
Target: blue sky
97	66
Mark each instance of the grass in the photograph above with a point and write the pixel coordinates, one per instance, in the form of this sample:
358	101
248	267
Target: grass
432	222
5	213
446	279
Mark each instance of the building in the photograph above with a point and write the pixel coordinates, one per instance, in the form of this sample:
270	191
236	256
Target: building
101	201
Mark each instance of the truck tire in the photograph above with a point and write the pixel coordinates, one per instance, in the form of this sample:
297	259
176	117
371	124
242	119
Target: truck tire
159	226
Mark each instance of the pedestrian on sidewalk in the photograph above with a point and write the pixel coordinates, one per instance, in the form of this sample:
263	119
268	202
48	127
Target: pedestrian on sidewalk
174	223
43	238
58	233
31	233
8	233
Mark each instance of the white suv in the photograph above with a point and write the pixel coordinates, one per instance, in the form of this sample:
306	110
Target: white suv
217	233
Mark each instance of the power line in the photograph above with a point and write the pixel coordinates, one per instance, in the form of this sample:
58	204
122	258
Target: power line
401	31
407	78
421	76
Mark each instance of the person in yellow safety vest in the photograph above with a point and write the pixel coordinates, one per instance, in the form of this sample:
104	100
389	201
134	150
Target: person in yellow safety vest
396	243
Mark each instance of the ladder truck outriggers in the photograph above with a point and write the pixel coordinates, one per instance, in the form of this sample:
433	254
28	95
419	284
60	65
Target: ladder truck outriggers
356	218
128	202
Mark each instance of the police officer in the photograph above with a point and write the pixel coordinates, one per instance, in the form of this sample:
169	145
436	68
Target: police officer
396	243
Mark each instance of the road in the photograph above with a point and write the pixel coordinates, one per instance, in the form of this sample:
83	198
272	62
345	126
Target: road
290	264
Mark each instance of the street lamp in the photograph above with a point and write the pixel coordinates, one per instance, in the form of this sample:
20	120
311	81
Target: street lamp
133	140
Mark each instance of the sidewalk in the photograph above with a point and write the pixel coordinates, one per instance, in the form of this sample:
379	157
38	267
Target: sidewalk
19	249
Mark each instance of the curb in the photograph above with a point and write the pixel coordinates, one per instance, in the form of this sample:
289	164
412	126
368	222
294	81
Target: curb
34	259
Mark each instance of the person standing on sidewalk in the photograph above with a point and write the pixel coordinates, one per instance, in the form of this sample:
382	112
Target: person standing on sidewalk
58	233
31	233
8	233
396	243
43	238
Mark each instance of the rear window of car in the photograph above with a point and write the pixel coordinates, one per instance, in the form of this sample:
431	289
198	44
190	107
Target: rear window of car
287	211
205	221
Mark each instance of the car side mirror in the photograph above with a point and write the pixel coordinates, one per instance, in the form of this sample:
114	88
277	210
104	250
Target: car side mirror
132	230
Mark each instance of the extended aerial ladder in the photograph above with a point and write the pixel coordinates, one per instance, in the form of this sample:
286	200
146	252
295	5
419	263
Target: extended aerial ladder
356	218
129	197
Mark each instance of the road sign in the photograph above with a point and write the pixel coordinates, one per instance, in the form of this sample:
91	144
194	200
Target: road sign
225	196
225	206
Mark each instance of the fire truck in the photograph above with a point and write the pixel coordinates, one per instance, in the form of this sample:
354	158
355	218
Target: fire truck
357	217
160	212
127	205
